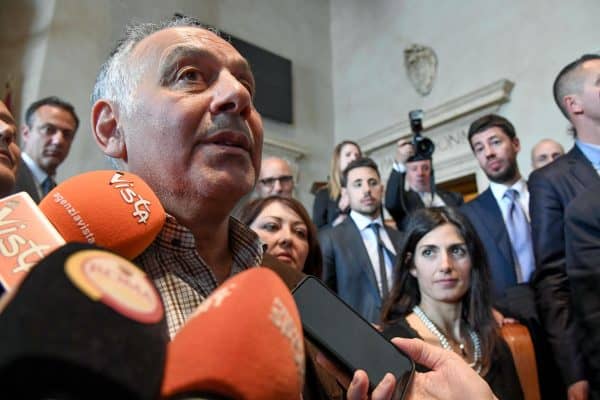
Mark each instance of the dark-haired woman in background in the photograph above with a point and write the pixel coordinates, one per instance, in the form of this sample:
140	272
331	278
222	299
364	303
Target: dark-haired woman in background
285	226
441	294
330	207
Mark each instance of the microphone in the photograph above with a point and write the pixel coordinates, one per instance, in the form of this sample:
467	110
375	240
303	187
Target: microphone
112	209
26	237
84	323
243	342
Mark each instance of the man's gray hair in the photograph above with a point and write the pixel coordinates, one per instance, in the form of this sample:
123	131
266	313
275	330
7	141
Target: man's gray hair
117	78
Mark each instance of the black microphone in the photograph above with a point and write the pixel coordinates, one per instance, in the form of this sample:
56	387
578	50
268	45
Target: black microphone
85	323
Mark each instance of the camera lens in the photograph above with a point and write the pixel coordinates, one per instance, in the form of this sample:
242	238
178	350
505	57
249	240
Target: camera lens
424	147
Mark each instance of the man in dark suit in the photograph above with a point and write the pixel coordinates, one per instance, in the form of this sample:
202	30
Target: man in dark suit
582	245
576	91
418	172
495	145
359	254
500	217
49	130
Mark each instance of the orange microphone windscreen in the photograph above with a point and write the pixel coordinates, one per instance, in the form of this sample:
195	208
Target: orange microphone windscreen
113	209
244	342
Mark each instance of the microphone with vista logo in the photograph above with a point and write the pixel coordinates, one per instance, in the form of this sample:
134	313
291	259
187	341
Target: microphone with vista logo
243	342
85	323
112	209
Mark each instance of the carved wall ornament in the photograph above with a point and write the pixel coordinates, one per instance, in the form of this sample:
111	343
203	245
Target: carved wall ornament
421	66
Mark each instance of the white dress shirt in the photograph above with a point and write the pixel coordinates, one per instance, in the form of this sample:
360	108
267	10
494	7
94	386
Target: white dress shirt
370	241
520	186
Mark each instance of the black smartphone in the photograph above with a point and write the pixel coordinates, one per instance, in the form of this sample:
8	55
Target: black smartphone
347	338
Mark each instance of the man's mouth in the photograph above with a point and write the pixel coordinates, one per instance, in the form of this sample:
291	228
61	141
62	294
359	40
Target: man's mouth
230	138
496	164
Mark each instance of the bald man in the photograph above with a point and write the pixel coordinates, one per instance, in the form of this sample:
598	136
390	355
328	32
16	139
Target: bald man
9	151
544	152
275	178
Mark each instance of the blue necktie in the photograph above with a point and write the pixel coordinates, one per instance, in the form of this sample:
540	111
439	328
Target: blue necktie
382	270
47	185
519	232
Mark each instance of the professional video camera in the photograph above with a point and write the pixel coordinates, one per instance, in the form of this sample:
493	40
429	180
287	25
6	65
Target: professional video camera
423	146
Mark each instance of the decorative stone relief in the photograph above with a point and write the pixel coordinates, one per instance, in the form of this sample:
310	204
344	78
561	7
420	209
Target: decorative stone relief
421	66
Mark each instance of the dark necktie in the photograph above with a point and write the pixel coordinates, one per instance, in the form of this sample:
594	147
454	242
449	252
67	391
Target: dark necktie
47	185
382	270
520	236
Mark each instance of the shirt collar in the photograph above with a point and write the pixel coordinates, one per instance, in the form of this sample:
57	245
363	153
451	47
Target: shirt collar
38	173
362	221
498	189
590	151
178	238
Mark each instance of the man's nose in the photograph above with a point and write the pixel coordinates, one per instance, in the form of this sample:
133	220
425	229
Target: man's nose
277	188
7	135
58	137
230	95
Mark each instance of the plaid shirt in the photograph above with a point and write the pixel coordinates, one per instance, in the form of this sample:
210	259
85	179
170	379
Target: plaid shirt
181	276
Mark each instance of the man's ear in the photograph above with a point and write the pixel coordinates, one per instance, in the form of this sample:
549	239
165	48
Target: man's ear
516	144
105	126
573	104
24	134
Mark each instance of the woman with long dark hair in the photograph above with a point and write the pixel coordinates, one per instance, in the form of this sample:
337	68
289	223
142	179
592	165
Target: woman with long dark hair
441	294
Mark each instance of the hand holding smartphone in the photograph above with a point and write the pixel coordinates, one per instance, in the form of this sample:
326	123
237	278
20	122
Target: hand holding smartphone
347	338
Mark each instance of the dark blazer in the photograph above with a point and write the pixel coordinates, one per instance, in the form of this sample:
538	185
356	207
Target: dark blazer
325	210
347	268
486	217
25	182
400	203
551	190
582	245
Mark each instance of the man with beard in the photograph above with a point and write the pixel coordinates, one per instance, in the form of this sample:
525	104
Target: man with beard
359	254
500	216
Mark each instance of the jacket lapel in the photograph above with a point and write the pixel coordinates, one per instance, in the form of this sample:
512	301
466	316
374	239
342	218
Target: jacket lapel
357	252
490	212
581	168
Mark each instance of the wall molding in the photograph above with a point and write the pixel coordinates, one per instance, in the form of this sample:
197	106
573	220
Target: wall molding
281	148
494	94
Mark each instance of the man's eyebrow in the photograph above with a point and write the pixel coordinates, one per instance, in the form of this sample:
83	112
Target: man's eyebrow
6	117
174	55
171	60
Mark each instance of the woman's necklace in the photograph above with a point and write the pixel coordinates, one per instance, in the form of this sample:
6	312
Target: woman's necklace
476	365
